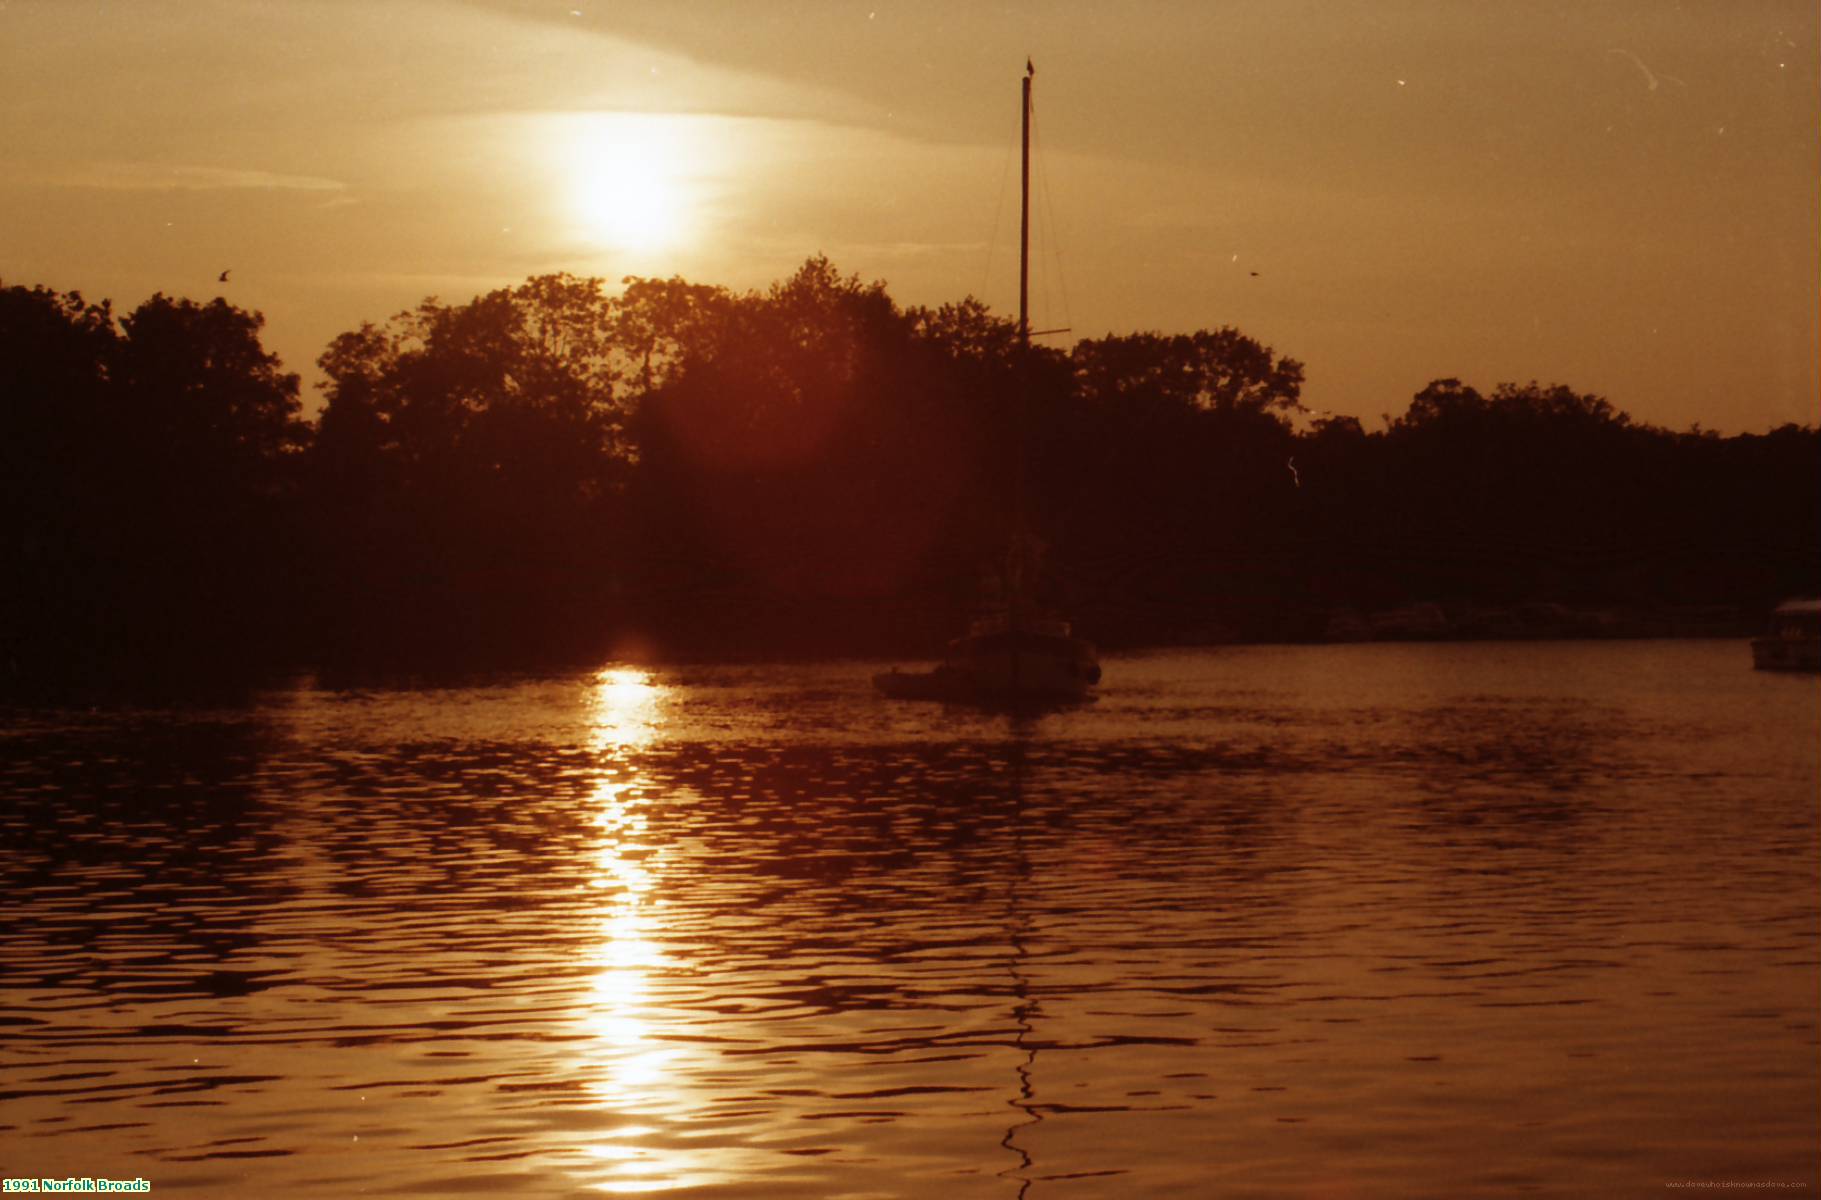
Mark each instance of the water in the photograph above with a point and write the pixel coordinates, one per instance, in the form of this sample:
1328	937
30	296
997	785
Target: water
1328	921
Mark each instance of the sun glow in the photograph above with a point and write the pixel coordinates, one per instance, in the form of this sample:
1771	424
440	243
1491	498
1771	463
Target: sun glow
635	181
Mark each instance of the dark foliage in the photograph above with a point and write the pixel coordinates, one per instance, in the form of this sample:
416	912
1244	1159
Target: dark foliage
468	478
149	468
550	471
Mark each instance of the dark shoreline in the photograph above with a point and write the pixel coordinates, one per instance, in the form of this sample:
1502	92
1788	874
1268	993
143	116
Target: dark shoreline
191	683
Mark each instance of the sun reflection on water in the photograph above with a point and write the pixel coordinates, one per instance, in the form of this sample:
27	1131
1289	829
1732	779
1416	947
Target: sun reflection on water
632	1068
625	713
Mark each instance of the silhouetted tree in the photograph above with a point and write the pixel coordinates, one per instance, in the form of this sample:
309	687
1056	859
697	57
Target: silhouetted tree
1222	370
210	441
468	466
802	464
197	383
656	323
967	333
807	467
151	472
55	351
1508	497
1175	488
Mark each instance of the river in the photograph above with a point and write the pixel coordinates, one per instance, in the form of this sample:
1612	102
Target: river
1367	920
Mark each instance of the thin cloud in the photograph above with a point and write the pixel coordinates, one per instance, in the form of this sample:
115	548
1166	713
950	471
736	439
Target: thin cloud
171	177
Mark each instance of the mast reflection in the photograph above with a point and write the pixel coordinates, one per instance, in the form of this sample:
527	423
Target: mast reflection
1027	1007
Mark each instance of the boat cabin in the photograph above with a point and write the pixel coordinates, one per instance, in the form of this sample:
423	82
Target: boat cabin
1794	641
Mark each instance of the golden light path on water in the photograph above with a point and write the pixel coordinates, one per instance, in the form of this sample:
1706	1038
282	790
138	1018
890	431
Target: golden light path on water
1382	920
626	1070
632	1070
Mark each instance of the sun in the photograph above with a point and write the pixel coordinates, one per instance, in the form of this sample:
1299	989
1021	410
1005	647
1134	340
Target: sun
631	182
630	205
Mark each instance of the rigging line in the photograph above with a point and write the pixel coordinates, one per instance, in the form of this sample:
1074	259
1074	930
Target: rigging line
992	242
1053	242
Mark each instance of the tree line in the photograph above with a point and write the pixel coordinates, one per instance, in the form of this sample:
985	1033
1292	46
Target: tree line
554	471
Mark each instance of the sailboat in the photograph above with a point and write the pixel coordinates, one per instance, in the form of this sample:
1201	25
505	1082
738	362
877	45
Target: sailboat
1015	653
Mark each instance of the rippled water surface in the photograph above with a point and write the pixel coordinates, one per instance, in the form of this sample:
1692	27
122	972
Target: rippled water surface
1327	921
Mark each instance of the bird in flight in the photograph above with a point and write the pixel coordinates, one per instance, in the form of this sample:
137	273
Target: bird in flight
223	277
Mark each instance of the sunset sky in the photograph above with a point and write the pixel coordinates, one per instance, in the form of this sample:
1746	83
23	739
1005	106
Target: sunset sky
1619	195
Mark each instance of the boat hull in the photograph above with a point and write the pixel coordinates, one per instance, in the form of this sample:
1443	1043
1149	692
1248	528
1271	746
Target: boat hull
1786	654
947	687
1794	640
1007	668
1017	661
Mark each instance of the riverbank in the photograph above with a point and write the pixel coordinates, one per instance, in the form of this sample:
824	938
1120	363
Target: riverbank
1535	622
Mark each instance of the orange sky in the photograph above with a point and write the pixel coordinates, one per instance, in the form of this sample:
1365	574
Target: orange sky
1620	195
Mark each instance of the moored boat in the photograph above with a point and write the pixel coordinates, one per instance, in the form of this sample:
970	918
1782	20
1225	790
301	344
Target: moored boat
1794	640
1006	659
1016	653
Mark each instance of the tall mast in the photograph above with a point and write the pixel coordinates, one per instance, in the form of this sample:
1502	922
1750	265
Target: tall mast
1018	585
1024	216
